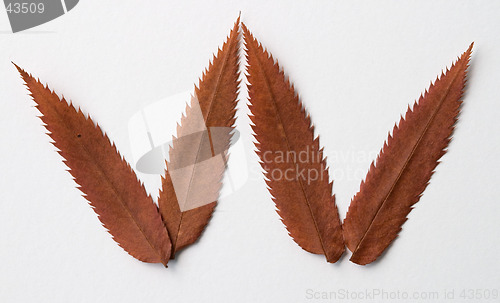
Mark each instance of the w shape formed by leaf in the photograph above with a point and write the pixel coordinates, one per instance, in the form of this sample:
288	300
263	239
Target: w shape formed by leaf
188	182
293	162
103	176
404	166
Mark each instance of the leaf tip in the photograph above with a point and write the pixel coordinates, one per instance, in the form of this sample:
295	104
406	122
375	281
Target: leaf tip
20	70
470	47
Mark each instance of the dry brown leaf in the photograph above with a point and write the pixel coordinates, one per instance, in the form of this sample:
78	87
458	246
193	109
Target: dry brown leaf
404	167
291	157
188	182
104	177
194	166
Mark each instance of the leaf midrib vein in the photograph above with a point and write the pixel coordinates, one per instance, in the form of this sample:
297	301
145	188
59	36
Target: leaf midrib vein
280	121
424	132
214	94
102	171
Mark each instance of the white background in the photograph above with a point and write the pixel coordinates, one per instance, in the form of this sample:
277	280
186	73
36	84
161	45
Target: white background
357	65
